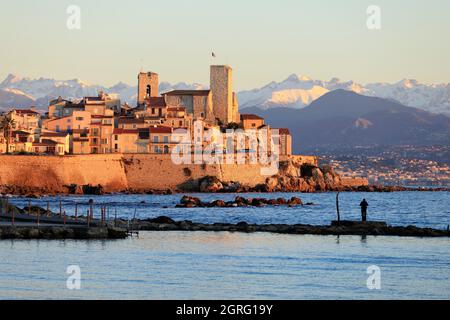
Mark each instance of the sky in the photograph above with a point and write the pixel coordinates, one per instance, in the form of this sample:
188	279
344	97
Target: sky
262	40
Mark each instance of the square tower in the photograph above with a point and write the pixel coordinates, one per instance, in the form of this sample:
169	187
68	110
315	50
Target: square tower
148	86
224	102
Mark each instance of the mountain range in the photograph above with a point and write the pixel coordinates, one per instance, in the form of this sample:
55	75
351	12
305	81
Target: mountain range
321	115
344	118
294	92
25	92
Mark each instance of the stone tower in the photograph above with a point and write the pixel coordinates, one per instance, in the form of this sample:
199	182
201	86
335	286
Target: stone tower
148	86
224	100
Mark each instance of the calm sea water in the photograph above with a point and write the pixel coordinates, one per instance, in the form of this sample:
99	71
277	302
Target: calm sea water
180	265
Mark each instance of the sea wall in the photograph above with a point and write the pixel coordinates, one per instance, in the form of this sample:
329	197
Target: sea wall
149	173
146	171
52	173
115	172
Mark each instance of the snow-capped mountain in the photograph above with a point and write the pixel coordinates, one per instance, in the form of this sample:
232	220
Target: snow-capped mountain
25	92
294	92
299	91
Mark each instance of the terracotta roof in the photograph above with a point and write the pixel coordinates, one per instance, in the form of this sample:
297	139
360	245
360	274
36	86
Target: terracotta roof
251	117
45	143
80	130
283	131
54	134
155	102
25	111
130	120
125	131
160	129
188	93
99	116
176	109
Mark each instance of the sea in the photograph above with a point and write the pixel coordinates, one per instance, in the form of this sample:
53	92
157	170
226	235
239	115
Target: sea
223	265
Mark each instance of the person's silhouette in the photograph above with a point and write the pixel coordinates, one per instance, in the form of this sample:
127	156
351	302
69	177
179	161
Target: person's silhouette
364	204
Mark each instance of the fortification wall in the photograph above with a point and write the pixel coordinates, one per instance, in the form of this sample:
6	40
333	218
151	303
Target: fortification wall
116	172
52	173
146	171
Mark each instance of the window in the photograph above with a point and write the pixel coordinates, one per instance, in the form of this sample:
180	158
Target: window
104	141
57	128
116	146
116	137
153	110
166	139
155	139
79	118
180	123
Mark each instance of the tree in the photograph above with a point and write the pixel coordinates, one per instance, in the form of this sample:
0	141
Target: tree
233	125
7	125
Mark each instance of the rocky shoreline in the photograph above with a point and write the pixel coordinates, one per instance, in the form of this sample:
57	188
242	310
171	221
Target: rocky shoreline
29	192
293	176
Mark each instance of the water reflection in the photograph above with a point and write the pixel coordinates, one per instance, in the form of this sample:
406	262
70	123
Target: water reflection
181	265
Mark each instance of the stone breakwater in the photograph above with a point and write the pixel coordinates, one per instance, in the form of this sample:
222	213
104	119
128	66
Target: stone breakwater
342	228
147	173
60	232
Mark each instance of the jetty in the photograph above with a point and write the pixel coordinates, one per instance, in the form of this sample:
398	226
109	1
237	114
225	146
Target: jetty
349	228
38	223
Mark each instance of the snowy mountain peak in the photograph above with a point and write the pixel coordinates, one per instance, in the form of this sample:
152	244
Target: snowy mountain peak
409	83
298	78
10	79
296	91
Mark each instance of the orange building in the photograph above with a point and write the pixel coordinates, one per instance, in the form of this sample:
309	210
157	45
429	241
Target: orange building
251	121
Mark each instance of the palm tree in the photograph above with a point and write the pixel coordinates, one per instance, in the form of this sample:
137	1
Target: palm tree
7	125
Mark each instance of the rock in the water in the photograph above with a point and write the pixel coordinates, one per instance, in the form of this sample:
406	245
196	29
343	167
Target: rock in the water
210	184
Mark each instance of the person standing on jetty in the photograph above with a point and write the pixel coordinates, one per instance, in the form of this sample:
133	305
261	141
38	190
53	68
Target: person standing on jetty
364	204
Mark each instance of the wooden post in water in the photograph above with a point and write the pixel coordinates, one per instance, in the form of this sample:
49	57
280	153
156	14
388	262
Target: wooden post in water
88	218
64	218
337	209
37	218
29	207
60	207
76	211
48	209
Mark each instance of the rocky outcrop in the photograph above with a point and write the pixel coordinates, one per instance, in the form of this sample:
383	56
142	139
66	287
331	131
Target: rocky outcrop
193	202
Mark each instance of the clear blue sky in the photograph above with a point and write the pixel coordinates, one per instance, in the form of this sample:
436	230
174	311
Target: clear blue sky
262	40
